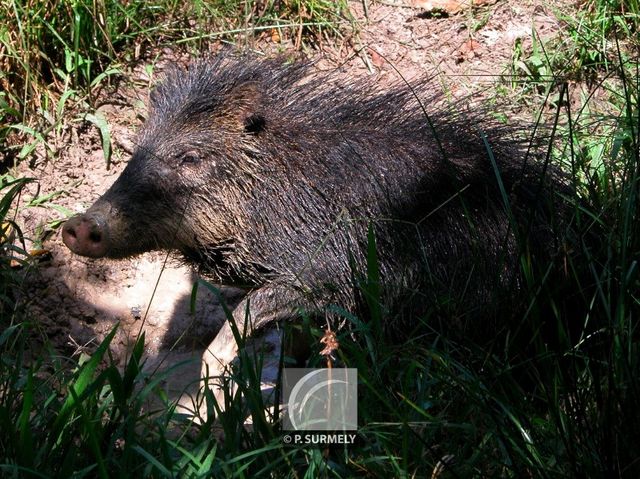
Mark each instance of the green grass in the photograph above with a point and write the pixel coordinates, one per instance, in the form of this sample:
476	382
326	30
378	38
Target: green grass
439	401
594	42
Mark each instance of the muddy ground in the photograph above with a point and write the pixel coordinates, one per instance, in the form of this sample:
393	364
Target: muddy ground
77	301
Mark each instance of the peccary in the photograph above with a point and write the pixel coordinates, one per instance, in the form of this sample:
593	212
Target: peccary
270	177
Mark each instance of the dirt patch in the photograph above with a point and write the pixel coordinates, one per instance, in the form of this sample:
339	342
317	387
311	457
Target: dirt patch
78	301
466	52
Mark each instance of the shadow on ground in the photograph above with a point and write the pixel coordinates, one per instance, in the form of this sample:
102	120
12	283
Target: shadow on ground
76	302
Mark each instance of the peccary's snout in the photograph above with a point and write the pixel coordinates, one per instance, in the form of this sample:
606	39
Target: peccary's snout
86	235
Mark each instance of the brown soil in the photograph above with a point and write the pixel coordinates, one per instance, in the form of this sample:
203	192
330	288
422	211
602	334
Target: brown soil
78	301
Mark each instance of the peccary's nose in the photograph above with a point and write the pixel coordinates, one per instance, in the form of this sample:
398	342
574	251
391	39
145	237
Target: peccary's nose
86	236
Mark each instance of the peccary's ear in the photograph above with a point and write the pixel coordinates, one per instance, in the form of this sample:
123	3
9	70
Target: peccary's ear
245	102
156	96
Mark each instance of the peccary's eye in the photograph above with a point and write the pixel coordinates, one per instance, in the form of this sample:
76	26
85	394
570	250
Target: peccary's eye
254	124
189	159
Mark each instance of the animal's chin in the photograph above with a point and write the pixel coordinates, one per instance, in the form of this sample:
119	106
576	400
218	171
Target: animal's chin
208	262
221	264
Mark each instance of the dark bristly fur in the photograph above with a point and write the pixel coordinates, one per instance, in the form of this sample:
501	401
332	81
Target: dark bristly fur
266	175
